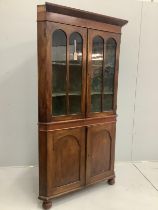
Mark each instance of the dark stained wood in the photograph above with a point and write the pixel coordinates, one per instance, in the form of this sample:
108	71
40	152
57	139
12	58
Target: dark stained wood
118	41
44	86
69	20
66	158
100	152
47	204
105	36
107	178
67	15
67	75
111	181
76	123
51	27
77	150
44	198
42	148
54	8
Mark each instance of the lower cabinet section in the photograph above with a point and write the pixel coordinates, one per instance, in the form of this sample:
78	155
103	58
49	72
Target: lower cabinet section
71	158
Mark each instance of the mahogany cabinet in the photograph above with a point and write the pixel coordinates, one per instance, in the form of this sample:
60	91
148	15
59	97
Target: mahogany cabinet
78	60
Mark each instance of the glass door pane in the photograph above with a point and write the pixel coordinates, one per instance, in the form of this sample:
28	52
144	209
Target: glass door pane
101	98
109	73
96	74
75	73
68	71
59	73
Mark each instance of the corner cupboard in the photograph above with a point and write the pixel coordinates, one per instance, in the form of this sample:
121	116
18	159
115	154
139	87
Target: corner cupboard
78	60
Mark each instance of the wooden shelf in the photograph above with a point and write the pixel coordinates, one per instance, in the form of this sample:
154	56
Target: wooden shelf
97	65
64	94
58	94
59	64
108	93
64	64
99	93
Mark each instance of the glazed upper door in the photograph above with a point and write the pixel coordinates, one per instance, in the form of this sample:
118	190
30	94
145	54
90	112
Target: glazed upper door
68	71
103	55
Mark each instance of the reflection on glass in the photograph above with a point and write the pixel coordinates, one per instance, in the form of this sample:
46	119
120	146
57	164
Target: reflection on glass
75	104
59	73
109	72
96	103
75	73
96	73
108	102
59	105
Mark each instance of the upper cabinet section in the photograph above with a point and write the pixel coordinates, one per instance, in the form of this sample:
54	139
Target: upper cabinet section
78	55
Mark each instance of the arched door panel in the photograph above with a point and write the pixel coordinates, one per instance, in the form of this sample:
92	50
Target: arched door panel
100	152
68	46
103	53
67	160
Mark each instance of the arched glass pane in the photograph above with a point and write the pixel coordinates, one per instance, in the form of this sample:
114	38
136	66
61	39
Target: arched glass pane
109	73
75	73
96	73
59	73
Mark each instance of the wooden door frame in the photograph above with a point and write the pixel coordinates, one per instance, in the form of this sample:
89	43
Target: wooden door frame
45	30
55	136
110	128
105	35
68	29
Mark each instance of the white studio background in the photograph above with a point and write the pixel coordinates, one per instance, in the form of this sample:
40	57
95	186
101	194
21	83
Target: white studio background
137	123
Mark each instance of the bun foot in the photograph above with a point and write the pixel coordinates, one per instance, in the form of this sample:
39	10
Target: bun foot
47	204
111	181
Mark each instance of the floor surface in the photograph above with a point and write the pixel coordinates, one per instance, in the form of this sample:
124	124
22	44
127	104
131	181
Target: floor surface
136	188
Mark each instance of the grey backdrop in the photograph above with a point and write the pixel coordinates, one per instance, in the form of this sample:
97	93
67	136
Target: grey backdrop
137	94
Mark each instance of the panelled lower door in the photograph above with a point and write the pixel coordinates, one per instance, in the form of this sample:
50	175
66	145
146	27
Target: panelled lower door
66	160
100	152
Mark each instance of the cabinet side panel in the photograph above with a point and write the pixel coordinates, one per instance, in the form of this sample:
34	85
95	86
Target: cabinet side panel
42	146
44	87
